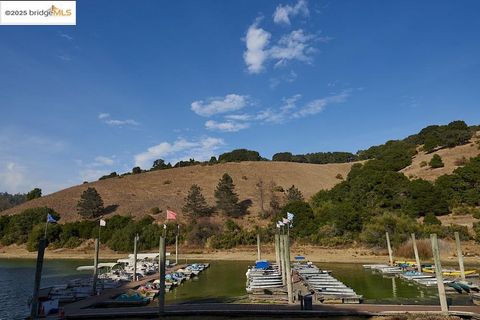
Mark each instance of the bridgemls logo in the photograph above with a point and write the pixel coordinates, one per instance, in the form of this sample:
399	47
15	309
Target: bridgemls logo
37	12
52	11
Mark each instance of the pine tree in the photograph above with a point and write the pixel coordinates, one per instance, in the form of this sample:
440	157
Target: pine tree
293	194
226	198
90	204
195	204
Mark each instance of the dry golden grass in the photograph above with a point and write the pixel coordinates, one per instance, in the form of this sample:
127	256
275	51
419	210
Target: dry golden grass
452	158
137	194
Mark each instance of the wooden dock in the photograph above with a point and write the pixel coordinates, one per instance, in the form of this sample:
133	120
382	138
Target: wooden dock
272	310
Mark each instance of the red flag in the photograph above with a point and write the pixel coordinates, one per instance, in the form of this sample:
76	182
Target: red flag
171	215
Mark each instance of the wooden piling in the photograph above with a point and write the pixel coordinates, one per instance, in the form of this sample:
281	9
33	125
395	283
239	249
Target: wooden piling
277	251
135	240
460	256
161	267
259	254
438	273
176	245
95	266
390	254
288	271
38	279
415	250
282	259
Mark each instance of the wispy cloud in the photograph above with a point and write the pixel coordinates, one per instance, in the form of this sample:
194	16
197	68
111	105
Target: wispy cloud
65	36
293	46
216	105
290	109
283	13
180	149
227	126
106	118
105	161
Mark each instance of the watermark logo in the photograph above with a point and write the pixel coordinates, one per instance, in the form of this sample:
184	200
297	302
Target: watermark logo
38	13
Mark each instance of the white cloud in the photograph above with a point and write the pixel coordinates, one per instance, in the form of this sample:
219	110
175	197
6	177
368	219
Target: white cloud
257	40
13	178
318	105
296	45
293	46
106	118
239	117
105	161
228	126
216	105
282	13
181	149
118	123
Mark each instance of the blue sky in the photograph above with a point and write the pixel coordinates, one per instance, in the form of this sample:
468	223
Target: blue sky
177	79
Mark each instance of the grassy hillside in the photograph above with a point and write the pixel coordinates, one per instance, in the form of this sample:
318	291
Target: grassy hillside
451	157
137	194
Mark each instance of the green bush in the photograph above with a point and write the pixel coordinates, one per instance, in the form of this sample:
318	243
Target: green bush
431	219
436	162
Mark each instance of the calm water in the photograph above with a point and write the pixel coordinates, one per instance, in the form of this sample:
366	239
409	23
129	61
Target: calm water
224	281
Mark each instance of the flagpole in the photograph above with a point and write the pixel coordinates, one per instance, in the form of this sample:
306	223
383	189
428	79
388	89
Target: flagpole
46	226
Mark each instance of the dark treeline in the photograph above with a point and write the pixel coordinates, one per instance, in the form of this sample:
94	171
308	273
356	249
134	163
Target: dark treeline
8	200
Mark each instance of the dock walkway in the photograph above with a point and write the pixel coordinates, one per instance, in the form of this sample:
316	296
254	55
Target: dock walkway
225	309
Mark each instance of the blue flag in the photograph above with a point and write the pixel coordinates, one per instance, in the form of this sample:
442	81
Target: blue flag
50	219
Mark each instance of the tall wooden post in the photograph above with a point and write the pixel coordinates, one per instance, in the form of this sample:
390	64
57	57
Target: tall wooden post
415	250
135	257
176	245
288	271
282	259
95	266
438	273
277	250
389	247
460	255
259	255
38	279
161	267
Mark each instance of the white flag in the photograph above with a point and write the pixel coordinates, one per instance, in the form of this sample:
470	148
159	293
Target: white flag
103	223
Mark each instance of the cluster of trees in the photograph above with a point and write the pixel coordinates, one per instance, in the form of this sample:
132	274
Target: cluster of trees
226	199
29	226
439	136
317	157
8	200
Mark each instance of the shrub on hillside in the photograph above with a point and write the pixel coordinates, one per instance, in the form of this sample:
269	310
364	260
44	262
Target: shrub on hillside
436	162
431	219
90	204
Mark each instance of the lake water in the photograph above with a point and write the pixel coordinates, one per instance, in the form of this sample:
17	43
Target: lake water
224	281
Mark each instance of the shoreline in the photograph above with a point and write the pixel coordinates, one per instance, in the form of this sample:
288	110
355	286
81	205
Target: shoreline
246	253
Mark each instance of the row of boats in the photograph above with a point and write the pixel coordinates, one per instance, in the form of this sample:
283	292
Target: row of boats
264	278
325	287
113	275
149	290
427	278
